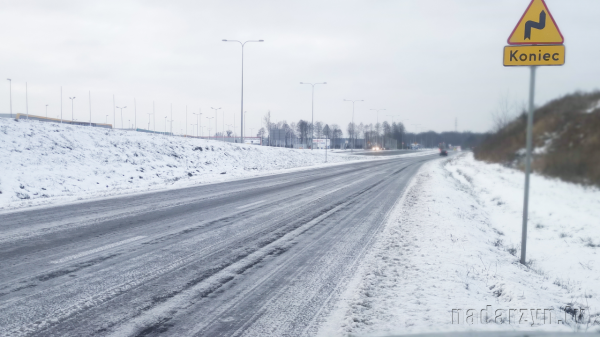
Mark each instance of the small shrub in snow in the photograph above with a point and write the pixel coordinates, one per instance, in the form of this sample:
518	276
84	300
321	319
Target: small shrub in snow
22	195
512	251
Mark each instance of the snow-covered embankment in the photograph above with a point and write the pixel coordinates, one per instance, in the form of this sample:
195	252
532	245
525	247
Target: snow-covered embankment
42	163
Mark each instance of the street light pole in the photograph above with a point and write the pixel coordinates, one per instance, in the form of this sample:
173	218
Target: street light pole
244	123
114	113
198	122
312	124
135	114
223	124
122	114
26	102
90	101
10	94
353	127
46	110
216	118
72	114
106	120
242	108
209	118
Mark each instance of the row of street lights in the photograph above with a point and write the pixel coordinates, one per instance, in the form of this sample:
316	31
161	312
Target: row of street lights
242	44
27	103
242	112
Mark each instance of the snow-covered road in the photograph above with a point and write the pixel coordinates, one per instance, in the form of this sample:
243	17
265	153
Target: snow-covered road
266	256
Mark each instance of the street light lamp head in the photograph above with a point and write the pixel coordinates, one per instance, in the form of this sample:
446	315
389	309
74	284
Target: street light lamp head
224	40
261	40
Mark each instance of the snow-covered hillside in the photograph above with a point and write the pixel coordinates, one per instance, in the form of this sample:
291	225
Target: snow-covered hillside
43	163
453	242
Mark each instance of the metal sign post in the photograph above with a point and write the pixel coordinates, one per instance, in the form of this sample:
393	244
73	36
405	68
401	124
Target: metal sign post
528	163
535	41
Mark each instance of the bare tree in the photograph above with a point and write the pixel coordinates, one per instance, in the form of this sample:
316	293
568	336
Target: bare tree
261	133
351	132
337	132
360	129
327	131
267	121
229	132
387	129
503	114
303	129
319	129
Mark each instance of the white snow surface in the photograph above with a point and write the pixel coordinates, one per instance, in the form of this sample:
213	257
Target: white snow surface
453	242
48	163
44	163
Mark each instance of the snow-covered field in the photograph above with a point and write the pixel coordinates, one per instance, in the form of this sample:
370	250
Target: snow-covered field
453	242
44	163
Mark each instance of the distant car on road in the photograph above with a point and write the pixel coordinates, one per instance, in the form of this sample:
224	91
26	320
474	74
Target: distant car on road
443	153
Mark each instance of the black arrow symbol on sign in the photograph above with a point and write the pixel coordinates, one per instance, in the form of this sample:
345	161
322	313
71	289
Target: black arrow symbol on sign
537	25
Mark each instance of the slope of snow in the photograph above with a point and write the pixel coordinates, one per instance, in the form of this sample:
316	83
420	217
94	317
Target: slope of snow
453	242
42	163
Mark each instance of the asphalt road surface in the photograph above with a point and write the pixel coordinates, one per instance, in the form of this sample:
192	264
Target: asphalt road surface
264	256
385	152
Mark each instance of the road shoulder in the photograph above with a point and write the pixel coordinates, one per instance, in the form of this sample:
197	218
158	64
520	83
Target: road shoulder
441	250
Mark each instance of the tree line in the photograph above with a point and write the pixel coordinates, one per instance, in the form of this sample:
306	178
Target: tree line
372	133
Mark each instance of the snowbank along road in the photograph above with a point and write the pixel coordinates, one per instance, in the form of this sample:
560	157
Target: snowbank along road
50	163
258	257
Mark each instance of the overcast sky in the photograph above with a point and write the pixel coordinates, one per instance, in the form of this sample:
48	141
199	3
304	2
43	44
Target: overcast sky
426	61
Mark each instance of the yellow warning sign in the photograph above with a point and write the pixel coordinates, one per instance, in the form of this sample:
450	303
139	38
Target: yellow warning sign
534	56
537	26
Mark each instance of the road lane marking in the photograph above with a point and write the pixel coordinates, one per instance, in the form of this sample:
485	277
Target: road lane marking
308	187
252	204
99	249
